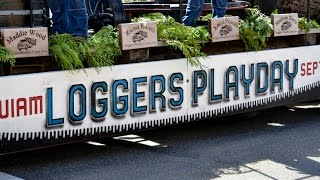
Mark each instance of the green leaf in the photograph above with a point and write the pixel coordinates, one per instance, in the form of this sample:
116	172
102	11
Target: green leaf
304	23
6	56
97	51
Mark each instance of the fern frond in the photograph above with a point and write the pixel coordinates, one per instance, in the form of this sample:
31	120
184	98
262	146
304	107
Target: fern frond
6	56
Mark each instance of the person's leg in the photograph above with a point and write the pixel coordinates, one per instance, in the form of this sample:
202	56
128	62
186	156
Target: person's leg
57	8
200	10
193	11
77	21
219	7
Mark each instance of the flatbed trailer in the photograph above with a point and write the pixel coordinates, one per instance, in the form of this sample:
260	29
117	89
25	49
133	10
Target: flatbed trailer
148	88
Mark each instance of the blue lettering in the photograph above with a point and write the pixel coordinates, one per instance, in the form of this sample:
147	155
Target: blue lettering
247	82
103	87
173	89
260	67
213	96
274	80
82	90
235	84
50	120
292	75
155	95
124	100
198	89
136	95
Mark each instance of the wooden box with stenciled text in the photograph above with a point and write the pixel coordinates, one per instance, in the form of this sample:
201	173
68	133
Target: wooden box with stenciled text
138	35
224	29
26	42
285	24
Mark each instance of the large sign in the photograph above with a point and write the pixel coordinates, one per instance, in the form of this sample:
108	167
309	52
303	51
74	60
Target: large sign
144	95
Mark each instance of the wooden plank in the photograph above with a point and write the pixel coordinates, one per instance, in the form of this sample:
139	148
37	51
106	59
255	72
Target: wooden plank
31	65
310	39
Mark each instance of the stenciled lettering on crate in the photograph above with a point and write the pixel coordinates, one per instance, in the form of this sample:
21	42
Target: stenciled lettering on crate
138	35
224	29
285	24
26	42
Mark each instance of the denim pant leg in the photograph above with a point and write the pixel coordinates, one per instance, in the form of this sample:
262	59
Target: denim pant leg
219	7
57	9
69	16
193	11
78	21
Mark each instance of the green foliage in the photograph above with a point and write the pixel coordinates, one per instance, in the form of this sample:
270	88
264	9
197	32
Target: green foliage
73	53
255	29
105	47
65	49
206	17
6	56
276	11
304	23
178	36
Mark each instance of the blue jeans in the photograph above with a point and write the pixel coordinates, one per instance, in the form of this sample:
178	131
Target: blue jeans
69	16
195	7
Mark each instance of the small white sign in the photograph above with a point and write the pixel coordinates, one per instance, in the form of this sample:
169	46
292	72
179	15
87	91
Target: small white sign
138	35
26	42
285	24
224	29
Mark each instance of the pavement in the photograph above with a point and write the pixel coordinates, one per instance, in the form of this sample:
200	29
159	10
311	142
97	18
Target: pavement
282	143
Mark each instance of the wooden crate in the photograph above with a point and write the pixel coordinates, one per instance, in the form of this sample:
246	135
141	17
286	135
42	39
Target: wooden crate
29	65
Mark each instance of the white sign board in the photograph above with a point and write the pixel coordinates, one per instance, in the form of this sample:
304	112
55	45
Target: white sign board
285	24
138	35
145	95
26	42
224	29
